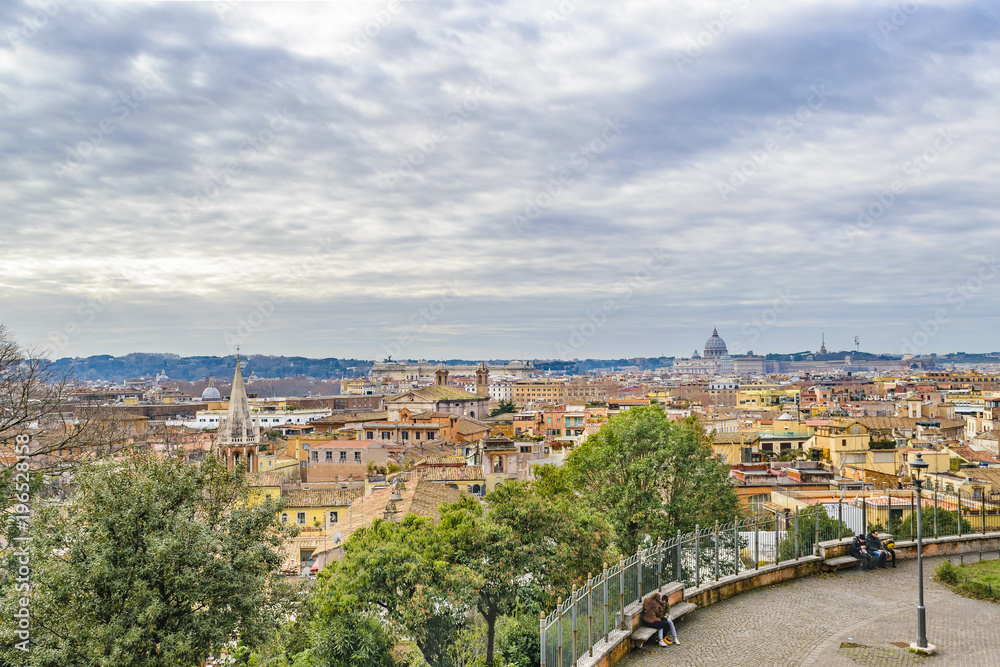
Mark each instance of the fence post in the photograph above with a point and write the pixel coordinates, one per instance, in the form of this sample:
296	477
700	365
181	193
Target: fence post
716	549
840	519
621	588
959	513
935	513
736	542
573	617
659	563
697	555
776	533
590	616
541	639
607	603
638	570
559	640
796	533
982	508
679	549
816	539
756	543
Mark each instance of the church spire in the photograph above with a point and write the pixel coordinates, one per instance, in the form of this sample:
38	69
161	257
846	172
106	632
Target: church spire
239	433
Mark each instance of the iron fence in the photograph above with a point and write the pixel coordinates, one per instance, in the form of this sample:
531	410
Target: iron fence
593	612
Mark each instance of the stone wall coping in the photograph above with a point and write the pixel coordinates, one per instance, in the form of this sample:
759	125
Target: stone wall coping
748	574
832	548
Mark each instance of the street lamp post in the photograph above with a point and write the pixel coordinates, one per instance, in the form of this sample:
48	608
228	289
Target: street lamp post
918	468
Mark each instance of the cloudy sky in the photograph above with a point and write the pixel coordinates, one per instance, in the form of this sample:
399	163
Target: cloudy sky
492	179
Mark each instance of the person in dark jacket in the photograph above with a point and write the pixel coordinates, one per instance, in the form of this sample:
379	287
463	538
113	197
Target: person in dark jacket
654	614
874	547
858	551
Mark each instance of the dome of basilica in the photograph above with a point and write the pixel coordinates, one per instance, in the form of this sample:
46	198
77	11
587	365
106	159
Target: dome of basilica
715	347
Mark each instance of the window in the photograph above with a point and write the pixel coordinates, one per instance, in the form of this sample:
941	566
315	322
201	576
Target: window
406	435
267	496
343	457
416	435
525	449
329	456
301	518
854	459
357	457
333	517
369	435
843	443
315	456
284	517
386	435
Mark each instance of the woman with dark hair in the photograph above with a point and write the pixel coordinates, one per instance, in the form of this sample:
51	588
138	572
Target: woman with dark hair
654	614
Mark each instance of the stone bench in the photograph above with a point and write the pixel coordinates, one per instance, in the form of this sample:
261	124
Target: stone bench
840	563
644	633
681	609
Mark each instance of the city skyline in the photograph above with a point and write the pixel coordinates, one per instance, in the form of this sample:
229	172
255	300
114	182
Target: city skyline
526	180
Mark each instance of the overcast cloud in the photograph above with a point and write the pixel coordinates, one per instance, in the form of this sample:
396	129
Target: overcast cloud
482	179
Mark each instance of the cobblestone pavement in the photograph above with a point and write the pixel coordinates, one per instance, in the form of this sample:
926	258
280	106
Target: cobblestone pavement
844	619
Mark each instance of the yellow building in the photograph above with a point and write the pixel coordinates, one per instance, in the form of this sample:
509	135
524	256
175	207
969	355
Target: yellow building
752	397
735	448
936	461
315	509
527	392
279	463
846	444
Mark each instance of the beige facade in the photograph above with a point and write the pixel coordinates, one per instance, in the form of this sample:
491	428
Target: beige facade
337	460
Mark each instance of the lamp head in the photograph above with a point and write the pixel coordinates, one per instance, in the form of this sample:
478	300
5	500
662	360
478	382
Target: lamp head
919	467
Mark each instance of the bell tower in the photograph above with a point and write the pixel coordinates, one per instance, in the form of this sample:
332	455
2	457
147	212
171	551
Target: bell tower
239	433
482	380
441	376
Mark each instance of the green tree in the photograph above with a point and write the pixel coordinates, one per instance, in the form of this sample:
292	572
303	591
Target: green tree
343	635
651	476
503	408
947	523
517	640
398	572
807	532
524	548
150	562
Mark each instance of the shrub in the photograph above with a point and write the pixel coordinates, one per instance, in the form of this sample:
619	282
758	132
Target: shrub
947	574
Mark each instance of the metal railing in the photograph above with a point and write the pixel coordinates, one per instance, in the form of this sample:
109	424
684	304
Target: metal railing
595	611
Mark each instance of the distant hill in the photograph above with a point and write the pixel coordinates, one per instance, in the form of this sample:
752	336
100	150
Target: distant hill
138	364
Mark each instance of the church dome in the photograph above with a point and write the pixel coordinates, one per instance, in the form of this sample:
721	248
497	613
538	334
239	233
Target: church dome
715	347
211	393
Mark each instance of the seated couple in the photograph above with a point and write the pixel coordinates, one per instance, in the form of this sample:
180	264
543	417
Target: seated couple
655	610
871	552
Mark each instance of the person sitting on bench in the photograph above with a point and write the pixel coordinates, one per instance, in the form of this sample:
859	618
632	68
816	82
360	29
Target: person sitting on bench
654	615
890	546
874	546
858	551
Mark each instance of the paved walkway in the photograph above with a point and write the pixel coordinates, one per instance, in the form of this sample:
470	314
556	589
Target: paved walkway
841	619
